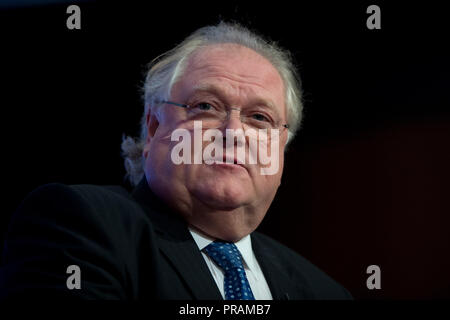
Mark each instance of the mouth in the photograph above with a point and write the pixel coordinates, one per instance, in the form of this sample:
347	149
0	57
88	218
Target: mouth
233	167
230	163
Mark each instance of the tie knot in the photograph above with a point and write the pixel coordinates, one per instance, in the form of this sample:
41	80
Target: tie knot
225	254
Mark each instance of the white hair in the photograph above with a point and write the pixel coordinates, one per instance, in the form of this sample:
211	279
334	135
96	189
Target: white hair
165	70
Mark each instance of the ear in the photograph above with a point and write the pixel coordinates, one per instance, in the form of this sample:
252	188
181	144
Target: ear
152	124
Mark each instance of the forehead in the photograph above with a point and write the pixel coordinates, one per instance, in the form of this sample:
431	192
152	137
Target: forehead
238	71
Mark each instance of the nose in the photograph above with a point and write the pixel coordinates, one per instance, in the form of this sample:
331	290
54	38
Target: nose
233	120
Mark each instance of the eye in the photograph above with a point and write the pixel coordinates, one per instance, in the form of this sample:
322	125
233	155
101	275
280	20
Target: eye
260	117
203	106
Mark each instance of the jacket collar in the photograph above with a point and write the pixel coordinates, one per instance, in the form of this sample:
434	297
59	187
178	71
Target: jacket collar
165	220
277	275
177	244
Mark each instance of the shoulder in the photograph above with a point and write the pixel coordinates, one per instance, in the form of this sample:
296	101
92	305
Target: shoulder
88	195
79	204
58	192
94	227
79	192
301	269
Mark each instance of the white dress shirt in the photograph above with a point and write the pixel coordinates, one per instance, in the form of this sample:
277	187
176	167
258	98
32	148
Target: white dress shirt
253	271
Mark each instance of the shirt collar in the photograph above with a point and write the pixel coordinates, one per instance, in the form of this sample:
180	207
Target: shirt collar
244	246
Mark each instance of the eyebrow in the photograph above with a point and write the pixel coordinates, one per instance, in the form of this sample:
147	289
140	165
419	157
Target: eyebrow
217	91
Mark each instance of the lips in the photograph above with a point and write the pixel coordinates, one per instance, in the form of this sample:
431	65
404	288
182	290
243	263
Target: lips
229	165
232	163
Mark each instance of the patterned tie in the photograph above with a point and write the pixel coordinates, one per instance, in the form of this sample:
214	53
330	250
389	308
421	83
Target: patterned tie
228	257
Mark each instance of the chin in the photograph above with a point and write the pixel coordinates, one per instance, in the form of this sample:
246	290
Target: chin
220	186
223	194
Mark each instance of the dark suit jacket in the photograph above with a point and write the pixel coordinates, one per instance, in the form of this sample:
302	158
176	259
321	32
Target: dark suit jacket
129	246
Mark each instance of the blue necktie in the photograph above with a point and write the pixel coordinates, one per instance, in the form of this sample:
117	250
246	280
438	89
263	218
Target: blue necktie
228	257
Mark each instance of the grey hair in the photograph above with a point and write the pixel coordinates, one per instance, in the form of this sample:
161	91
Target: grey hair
165	70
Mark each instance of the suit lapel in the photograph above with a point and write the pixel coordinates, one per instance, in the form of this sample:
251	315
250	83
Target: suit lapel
277	277
187	259
177	245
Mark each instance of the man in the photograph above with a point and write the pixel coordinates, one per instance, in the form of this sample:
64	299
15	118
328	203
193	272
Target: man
188	229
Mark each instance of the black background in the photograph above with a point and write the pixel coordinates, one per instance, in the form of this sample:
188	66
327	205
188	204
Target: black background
367	178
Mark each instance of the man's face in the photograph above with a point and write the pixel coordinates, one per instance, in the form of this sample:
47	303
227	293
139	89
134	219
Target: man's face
227	201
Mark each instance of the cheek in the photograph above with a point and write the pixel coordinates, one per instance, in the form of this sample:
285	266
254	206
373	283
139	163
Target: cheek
281	160
268	182
158	162
271	179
